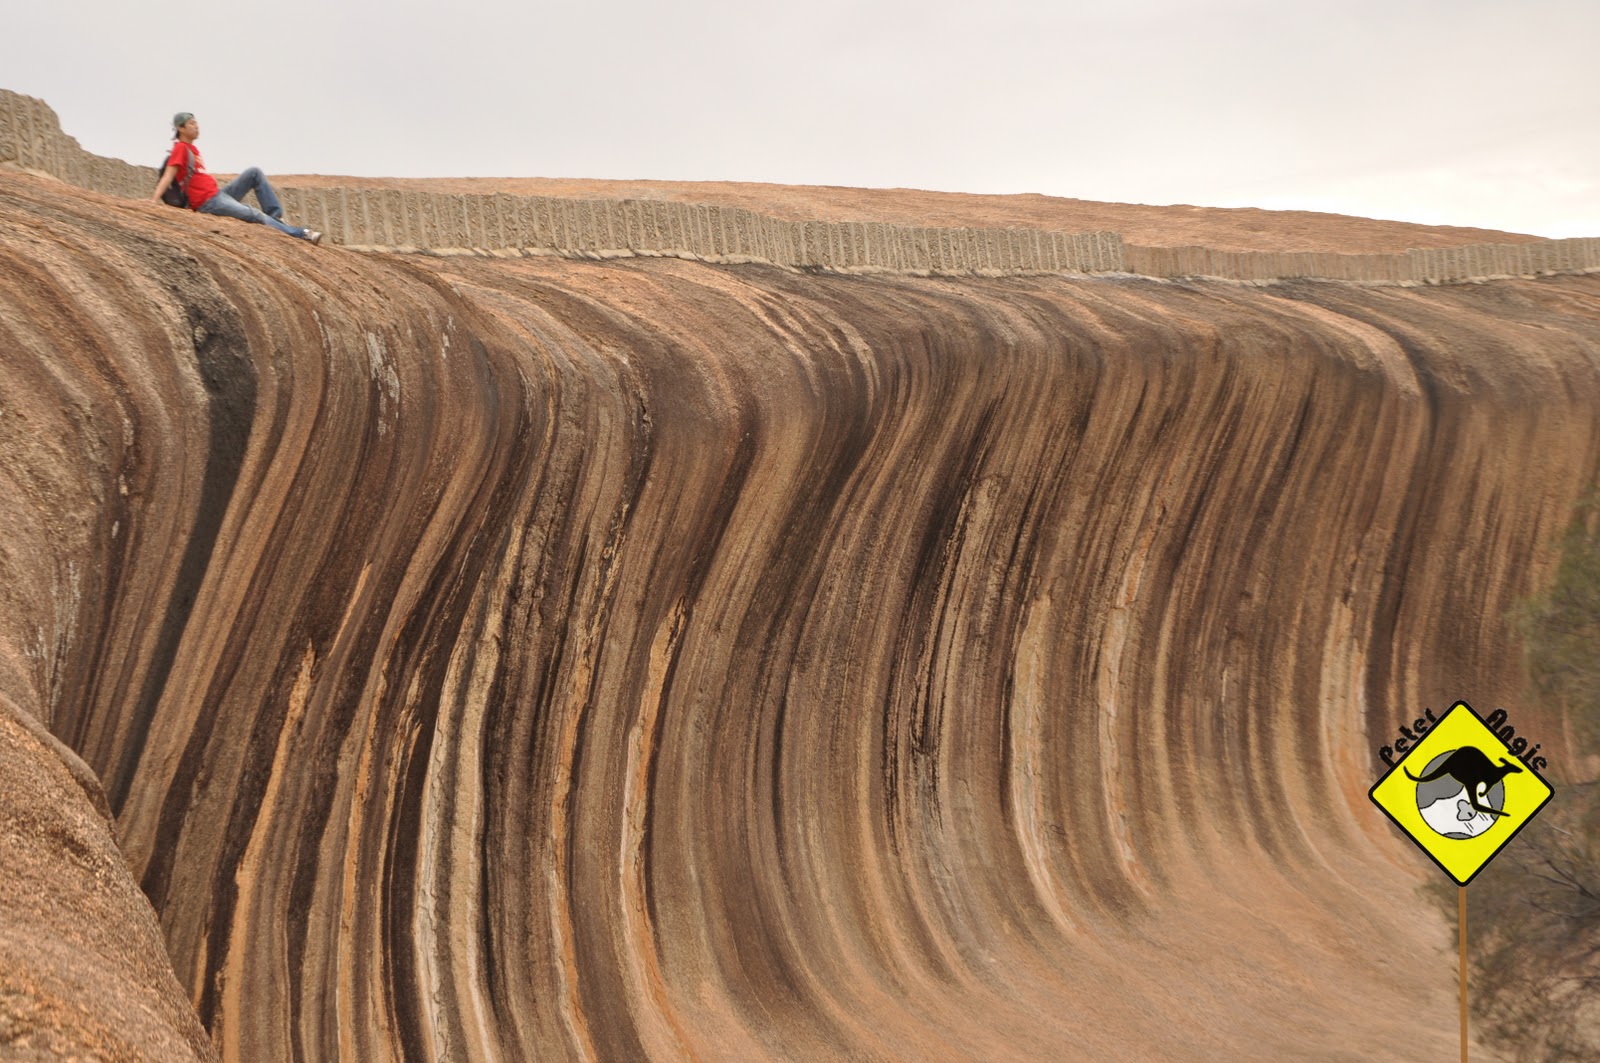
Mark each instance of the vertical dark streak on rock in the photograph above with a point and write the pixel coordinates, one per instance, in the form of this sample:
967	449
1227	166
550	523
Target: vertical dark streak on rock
222	467
402	984
423	648
229	379
1386	634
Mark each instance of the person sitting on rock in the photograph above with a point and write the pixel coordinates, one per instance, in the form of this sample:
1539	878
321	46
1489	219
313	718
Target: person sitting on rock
203	193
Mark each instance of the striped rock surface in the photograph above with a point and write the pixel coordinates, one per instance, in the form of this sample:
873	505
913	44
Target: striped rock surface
650	659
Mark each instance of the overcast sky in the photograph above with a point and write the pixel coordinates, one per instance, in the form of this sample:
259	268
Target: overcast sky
1460	112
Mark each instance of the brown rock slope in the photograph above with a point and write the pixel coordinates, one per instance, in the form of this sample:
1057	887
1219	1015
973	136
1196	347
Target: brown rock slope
83	974
542	659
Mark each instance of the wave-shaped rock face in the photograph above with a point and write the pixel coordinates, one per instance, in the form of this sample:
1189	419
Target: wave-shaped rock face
651	659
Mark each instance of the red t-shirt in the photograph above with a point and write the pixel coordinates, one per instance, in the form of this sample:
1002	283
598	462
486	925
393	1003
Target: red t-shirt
202	186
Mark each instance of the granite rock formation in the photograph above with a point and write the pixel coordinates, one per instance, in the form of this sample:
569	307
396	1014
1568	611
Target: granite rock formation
652	659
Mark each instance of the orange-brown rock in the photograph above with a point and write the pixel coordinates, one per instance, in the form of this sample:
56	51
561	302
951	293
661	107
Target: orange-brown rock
652	659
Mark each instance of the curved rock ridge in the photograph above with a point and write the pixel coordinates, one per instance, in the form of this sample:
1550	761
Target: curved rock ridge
409	220
647	659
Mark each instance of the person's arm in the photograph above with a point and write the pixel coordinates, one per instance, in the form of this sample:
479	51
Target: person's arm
167	176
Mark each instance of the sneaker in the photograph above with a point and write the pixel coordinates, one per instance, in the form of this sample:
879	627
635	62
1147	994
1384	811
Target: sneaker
314	236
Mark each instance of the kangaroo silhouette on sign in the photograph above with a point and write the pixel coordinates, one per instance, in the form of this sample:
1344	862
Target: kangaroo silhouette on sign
1471	768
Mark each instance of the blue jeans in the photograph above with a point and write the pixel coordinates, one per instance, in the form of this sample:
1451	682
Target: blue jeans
226	202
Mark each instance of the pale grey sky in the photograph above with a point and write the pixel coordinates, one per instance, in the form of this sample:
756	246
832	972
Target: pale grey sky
1460	112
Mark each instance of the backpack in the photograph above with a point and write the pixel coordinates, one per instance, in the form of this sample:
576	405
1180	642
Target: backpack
177	194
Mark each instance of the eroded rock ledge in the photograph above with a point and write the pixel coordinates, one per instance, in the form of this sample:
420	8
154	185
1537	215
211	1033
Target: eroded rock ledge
406	220
84	973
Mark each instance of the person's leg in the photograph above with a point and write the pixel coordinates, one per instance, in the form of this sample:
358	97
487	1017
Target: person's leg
253	180
225	206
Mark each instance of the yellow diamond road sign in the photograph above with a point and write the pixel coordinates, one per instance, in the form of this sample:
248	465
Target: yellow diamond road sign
1460	793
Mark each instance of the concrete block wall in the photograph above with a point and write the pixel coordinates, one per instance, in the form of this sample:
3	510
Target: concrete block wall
1437	265
31	139
429	220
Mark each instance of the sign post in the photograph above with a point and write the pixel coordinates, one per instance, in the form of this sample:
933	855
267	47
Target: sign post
1461	891
1461	794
